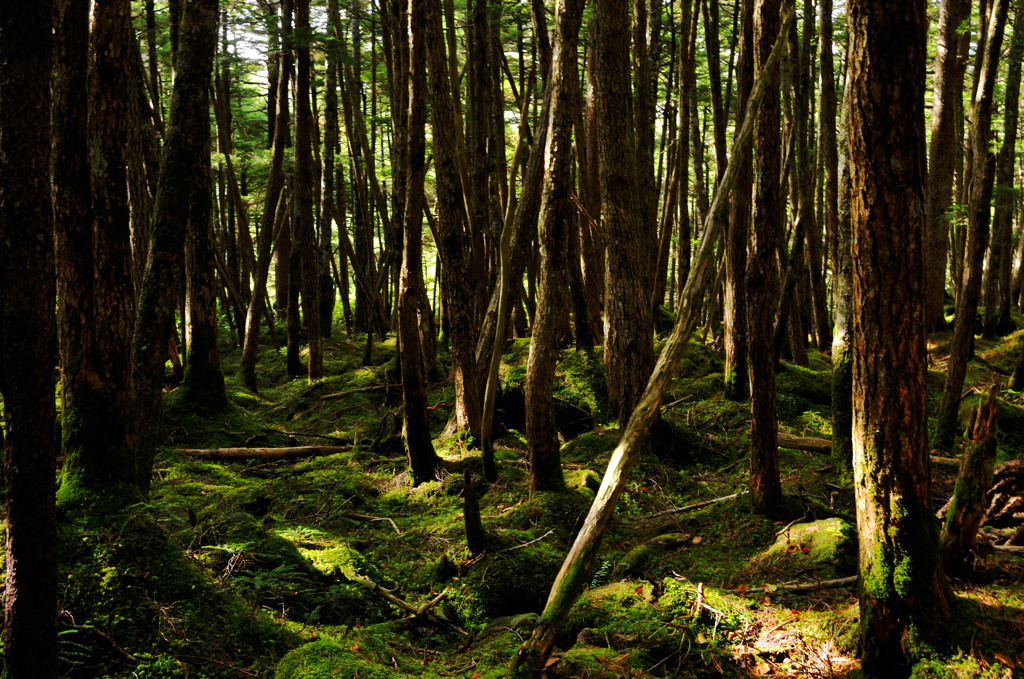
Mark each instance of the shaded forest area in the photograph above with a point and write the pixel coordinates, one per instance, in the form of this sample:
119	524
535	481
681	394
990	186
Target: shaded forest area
483	339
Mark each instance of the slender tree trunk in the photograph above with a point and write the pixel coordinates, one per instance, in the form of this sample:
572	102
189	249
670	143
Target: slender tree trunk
555	214
419	448
282	263
997	273
738	230
982	173
903	595
762	278
949	79
842	295
303	227
28	348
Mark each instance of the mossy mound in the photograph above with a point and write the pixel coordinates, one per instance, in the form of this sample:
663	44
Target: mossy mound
593	449
326	659
826	548
129	591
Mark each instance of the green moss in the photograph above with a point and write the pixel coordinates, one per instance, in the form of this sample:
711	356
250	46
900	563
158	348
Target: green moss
327	659
822	549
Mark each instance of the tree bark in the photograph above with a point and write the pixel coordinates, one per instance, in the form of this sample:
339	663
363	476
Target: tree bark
903	595
28	348
762	277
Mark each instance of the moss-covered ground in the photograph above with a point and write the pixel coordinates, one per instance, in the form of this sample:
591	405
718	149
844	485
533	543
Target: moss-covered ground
263	568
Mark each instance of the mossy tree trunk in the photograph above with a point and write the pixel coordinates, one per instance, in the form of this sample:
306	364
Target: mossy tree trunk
28	348
842	296
966	509
555	213
979	220
181	174
903	595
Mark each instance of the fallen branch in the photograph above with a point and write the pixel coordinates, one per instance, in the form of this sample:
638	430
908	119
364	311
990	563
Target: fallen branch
366	517
527	544
99	633
360	390
699	505
417	614
1008	549
838	583
948	461
263	453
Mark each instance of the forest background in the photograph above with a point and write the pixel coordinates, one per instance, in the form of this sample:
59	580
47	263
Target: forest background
179	177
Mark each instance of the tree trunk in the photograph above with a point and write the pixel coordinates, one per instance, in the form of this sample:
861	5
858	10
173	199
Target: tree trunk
902	591
419	448
180	170
738	229
982	176
28	349
997	274
628	345
762	278
842	295
555	214
949	79
303	227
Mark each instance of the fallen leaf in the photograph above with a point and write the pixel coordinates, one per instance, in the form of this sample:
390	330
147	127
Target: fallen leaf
639	591
701	639
741	590
771	588
1006	660
550	661
354	647
697	539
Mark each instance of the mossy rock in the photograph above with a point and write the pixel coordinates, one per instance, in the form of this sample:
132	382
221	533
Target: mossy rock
593	449
326	659
826	548
578	479
511	582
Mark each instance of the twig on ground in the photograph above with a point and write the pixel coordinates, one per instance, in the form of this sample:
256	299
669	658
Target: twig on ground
699	505
527	544
360	390
375	518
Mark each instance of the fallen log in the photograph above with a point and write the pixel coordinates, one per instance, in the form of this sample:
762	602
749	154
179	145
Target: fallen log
360	390
263	453
811	444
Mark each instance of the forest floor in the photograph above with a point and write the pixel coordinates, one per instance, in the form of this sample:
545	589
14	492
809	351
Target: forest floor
264	567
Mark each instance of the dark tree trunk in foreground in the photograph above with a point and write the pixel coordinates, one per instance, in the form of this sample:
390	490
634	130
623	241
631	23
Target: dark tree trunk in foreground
949	80
979	219
555	213
419	448
28	348
628	340
762	272
181	175
99	424
902	590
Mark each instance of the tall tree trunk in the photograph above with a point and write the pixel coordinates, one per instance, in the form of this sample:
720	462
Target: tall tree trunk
982	175
628	345
180	171
454	237
282	263
555	214
303	227
419	448
997	273
903	595
842	295
949	80
28	349
762	278
738	228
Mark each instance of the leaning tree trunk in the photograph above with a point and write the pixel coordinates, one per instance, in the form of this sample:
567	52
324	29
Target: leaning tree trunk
28	349
555	213
902	591
982	172
180	169
578	564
